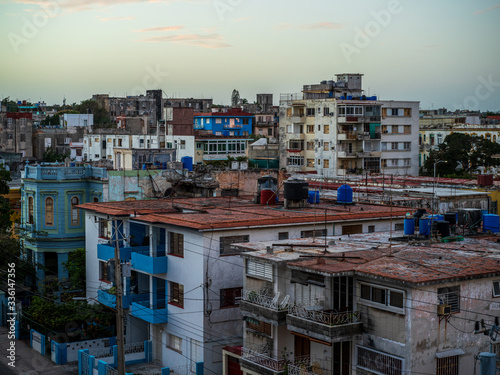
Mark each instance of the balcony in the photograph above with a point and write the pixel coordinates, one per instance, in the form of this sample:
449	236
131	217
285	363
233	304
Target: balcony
260	361
106	252
297	119
263	307
345	136
346	154
151	313
144	262
109	299
350	119
324	324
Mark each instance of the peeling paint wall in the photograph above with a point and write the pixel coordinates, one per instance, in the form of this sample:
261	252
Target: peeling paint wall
139	184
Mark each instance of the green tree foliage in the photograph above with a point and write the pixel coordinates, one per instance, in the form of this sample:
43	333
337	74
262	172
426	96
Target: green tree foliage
468	151
52	156
101	116
76	269
79	320
50	120
11	253
5	210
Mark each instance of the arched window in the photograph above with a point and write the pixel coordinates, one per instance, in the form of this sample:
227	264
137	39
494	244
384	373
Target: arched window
75	212
31	217
95	199
49	211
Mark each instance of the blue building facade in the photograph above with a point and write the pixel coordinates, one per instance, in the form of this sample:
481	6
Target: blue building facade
234	122
53	225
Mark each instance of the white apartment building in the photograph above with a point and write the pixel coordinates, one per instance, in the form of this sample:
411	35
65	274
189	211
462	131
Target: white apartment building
333	129
102	146
185	278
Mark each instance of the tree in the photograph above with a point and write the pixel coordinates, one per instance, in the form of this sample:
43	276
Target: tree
101	116
76	269
468	151
52	156
5	210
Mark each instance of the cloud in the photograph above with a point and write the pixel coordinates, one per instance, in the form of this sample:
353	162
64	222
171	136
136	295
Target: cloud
160	28
487	10
322	26
115	19
81	5
211	41
311	26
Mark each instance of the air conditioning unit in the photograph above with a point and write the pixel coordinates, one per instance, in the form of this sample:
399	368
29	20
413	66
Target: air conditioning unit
443	310
331	113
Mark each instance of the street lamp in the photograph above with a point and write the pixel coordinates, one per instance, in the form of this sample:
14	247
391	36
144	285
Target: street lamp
433	192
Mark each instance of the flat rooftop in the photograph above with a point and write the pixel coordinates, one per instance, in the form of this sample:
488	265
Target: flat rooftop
376	255
234	212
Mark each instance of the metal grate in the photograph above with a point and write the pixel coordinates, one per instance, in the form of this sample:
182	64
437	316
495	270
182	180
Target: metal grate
447	365
378	362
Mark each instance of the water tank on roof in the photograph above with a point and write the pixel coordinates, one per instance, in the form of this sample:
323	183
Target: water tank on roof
187	163
331	83
442	227
451	217
491	223
296	190
323	82
344	194
349	97
342	97
409	226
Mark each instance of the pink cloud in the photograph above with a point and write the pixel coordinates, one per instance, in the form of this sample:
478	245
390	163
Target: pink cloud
211	41
161	28
487	10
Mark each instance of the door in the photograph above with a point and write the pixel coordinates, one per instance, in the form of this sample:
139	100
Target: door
302	346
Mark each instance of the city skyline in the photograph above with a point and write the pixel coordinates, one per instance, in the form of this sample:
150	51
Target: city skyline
441	54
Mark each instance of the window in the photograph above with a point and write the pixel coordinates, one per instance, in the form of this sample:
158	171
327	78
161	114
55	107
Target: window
283	236
310	163
406	145
496	288
310	128
230	297
174	343
31	217
218	120
67	141
295	160
407	112
199	146
75	212
259	269
310	145
120	142
447	365
326	146
379	362
371	228
326	163
183	144
104	228
49	211
393	299
326	111
394	145
78	152
176	294
407	129
270	132
107	271
176	244
226	242
261	327
312	233
326	129
310	111
450	296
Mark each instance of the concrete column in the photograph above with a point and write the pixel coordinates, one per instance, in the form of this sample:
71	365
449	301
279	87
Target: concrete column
62	272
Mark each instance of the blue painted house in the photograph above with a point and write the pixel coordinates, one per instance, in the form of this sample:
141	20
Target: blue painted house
53	225
234	122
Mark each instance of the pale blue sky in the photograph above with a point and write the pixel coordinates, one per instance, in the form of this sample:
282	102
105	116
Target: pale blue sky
441	53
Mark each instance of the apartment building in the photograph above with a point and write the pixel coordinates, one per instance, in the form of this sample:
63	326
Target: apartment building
184	277
333	129
365	304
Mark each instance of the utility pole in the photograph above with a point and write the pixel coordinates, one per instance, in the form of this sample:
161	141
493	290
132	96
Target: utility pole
119	305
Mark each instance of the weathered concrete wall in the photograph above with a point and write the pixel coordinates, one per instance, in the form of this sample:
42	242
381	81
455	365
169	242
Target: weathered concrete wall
139	184
245	181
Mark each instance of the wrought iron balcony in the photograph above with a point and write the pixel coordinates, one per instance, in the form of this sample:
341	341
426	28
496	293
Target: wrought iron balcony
254	304
260	360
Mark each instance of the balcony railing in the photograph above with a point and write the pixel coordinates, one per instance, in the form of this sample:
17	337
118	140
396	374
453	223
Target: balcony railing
264	300
143	261
328	317
107	251
109	299
260	357
152	313
314	367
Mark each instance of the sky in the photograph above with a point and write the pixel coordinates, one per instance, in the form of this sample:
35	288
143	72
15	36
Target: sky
441	53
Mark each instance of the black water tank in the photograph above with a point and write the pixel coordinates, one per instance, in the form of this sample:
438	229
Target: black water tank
296	190
419	213
451	217
443	228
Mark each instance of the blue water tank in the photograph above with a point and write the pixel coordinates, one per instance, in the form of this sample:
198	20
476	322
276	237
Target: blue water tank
313	197
330	94
344	194
187	163
144	166
72	164
491	223
374	97
342	97
409	226
436	217
424	226
164	165
349	97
